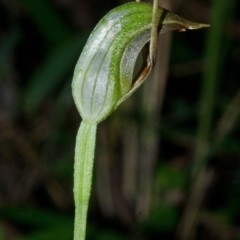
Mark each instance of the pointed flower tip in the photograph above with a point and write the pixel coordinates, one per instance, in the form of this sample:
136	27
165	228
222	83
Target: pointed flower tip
197	26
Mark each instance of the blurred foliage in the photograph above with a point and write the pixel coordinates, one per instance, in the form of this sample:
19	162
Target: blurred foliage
197	129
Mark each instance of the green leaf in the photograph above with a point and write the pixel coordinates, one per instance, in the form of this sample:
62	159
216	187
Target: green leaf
161	218
33	216
52	72
48	20
60	232
169	177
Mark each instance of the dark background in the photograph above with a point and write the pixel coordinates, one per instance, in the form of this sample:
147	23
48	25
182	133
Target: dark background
167	161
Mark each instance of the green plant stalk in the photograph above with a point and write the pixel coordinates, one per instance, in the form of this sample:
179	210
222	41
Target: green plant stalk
214	61
83	168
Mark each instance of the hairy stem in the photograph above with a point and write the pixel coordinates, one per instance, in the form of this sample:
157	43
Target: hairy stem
83	168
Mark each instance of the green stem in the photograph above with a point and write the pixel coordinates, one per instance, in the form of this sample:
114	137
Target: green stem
83	168
214	64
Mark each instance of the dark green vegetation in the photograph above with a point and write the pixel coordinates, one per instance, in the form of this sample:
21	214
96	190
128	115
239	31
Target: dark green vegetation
177	158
